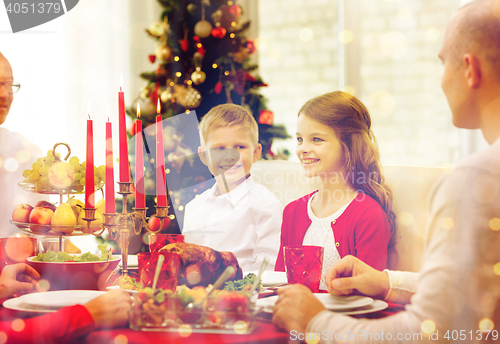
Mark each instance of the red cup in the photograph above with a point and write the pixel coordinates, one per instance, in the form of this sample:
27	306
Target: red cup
168	273
303	265
16	250
157	241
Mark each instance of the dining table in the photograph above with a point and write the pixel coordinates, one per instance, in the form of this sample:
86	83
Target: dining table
264	331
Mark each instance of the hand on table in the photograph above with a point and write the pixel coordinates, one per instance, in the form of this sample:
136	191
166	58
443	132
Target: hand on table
296	306
17	278
350	273
110	309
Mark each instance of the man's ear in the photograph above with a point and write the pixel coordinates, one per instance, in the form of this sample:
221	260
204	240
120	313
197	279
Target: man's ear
472	70
203	155
257	152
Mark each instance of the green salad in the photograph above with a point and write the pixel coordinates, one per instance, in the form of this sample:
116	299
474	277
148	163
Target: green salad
243	284
51	256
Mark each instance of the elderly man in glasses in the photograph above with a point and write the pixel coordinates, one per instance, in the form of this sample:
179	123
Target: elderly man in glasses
17	154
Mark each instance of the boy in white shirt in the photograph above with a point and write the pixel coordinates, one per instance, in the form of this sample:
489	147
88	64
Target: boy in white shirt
236	214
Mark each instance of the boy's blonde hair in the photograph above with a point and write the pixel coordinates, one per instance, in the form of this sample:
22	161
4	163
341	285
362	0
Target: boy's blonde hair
226	115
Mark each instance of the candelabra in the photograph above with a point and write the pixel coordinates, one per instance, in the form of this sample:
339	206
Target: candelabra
117	224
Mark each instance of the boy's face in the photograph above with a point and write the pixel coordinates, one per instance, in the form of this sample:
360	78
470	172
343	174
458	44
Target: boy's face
231	151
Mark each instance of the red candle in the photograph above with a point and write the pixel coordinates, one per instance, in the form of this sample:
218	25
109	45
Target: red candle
89	169
110	178
122	131
140	200
161	191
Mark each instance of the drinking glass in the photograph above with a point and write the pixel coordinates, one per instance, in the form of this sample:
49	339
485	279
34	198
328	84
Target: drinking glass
157	241
168	273
303	265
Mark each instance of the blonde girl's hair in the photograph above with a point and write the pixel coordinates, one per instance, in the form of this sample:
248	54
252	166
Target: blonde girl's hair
226	115
350	120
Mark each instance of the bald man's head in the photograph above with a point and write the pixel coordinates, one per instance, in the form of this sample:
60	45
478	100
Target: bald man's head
475	29
6	98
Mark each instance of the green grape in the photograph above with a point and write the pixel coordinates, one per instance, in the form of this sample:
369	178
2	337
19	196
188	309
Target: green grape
62	174
43	180
103	178
37	163
34	175
36	168
43	171
84	165
49	160
82	181
96	180
77	167
77	176
49	152
74	160
26	173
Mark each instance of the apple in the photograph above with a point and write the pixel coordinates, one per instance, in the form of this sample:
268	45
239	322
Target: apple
154	223
45	204
22	213
41	216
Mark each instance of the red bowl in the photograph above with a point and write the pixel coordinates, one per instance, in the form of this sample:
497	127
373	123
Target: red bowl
74	275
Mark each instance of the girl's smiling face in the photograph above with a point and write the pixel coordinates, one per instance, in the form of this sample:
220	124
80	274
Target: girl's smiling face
318	148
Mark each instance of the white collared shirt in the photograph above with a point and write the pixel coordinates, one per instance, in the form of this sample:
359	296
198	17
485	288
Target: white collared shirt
245	221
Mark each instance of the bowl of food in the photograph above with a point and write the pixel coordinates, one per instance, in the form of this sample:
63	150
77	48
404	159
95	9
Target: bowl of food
62	271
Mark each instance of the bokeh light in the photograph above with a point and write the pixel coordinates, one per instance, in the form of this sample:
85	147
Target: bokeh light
350	90
394	44
494	224
43	285
185	330
486	324
121	339
240	327
23	156
3	338
306	34
181	208
405	218
432	34
18	325
447	223
11	165
404	13
312	338
496	269
381	104
428	326
345	37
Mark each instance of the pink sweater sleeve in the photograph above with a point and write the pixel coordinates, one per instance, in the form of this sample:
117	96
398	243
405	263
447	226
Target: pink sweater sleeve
63	326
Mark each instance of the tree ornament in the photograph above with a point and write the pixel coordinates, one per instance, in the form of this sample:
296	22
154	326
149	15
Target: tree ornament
219	32
164	52
156	29
218	87
190	97
250	45
266	117
198	76
242	54
184	43
203	29
197	59
235	10
191	8
166	95
152	58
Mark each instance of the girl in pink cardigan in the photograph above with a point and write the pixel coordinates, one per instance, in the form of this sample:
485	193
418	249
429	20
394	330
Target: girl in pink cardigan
351	213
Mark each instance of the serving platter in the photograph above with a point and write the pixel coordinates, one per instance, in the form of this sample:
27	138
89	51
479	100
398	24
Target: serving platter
51	301
333	303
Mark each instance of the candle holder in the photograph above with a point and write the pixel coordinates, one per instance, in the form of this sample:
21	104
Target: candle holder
116	223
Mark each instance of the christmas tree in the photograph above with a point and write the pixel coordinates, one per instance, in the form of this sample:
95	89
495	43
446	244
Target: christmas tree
201	60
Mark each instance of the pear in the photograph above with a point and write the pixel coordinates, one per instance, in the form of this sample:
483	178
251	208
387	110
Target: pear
101	206
95	225
63	216
76	205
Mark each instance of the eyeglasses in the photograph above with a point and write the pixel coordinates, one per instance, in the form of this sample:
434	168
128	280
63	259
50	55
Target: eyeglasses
11	87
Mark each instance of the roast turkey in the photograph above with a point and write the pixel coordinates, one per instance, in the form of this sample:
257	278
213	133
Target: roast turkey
201	265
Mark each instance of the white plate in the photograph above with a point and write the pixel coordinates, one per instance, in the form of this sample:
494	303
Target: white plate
132	261
376	306
51	301
273	278
130	291
333	303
